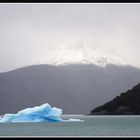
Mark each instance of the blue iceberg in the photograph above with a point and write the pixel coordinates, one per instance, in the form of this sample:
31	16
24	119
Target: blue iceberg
43	113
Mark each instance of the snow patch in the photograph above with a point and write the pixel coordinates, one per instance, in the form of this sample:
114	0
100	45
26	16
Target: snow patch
82	54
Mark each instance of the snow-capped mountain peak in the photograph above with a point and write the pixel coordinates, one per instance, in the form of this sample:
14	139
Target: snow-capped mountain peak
82	54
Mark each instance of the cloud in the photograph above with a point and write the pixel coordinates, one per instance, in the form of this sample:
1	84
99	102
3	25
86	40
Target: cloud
29	30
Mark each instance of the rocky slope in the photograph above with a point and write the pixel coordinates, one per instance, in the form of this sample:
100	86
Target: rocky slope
128	103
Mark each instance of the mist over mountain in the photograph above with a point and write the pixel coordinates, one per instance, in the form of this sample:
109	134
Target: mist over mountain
80	53
75	88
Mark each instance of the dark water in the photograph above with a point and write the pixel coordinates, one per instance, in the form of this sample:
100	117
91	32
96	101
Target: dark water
92	126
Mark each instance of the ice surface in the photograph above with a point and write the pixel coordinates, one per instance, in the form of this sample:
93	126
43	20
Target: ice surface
43	113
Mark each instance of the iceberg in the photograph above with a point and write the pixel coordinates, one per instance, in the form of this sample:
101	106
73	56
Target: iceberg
43	113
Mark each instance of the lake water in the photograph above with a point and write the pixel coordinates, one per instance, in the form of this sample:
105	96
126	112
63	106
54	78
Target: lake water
92	126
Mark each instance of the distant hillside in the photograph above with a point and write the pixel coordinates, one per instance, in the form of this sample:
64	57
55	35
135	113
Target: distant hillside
128	103
76	89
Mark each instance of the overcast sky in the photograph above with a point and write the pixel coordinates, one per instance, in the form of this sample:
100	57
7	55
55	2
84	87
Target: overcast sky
28	31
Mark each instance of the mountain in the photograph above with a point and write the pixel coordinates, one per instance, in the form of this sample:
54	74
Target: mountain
75	88
128	103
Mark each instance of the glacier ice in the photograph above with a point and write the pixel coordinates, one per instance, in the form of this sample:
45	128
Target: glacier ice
43	113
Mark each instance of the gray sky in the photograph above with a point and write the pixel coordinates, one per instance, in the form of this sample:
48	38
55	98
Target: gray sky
28	31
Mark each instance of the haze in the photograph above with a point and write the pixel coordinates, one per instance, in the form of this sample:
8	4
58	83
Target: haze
30	31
